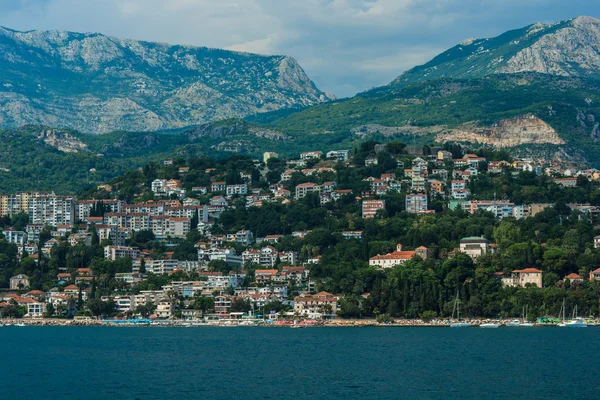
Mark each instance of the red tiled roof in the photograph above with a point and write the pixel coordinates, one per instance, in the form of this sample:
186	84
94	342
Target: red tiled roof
532	270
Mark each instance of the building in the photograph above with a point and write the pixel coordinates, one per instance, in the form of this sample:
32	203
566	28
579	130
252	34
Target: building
305	188
358	235
309	155
522	277
595	275
565	182
416	203
179	227
164	308
244	237
19	282
444	155
573	277
316	306
474	247
340	155
398	257
228	255
218	187
369	161
233	190
114	252
223	304
265	275
370	207
268	155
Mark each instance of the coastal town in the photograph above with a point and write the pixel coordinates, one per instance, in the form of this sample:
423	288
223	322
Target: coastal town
166	243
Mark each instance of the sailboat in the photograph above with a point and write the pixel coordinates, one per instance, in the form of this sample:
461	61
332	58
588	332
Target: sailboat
456	309
525	323
576	322
562	314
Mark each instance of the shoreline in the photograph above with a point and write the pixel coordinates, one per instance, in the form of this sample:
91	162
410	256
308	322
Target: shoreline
254	323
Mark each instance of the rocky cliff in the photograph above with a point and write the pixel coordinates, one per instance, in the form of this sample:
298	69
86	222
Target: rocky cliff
98	84
526	129
567	48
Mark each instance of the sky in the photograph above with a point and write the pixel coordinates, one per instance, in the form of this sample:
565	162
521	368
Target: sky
345	46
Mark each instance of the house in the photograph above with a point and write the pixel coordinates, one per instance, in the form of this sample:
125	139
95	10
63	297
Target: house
597	242
522	277
218	187
340	155
36	309
370	207
265	275
272	238
358	235
565	182
474	247
223	304
200	189
595	275
444	155
308	155
304	188
19	282
369	161
317	305
71	290
398	257
244	237
573	277
164	308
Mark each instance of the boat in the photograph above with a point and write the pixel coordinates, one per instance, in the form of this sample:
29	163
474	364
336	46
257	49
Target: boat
575	321
489	325
562	314
514	322
525	323
456	309
20	324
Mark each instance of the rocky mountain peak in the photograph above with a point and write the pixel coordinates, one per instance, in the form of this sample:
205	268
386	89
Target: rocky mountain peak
566	48
96	83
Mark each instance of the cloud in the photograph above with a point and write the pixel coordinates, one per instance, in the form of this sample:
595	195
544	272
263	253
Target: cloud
346	46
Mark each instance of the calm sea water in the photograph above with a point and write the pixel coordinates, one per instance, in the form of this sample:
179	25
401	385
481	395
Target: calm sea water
283	363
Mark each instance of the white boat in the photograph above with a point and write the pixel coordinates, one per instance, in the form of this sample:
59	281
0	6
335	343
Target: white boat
489	325
456	309
576	323
20	324
514	322
525	323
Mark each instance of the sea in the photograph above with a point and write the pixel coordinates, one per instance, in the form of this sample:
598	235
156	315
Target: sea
312	363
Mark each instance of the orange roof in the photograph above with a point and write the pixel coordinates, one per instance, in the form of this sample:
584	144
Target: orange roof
396	255
265	271
532	270
573	276
72	287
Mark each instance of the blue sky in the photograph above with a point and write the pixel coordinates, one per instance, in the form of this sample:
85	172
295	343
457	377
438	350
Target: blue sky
346	46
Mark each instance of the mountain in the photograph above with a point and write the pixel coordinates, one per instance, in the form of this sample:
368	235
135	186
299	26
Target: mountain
528	113
98	84
567	48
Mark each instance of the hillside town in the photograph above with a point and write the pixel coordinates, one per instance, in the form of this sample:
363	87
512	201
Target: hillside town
180	240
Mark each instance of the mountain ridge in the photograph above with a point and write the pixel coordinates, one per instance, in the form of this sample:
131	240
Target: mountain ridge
96	83
566	48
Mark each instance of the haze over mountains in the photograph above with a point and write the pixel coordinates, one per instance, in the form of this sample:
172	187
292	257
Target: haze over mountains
98	84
